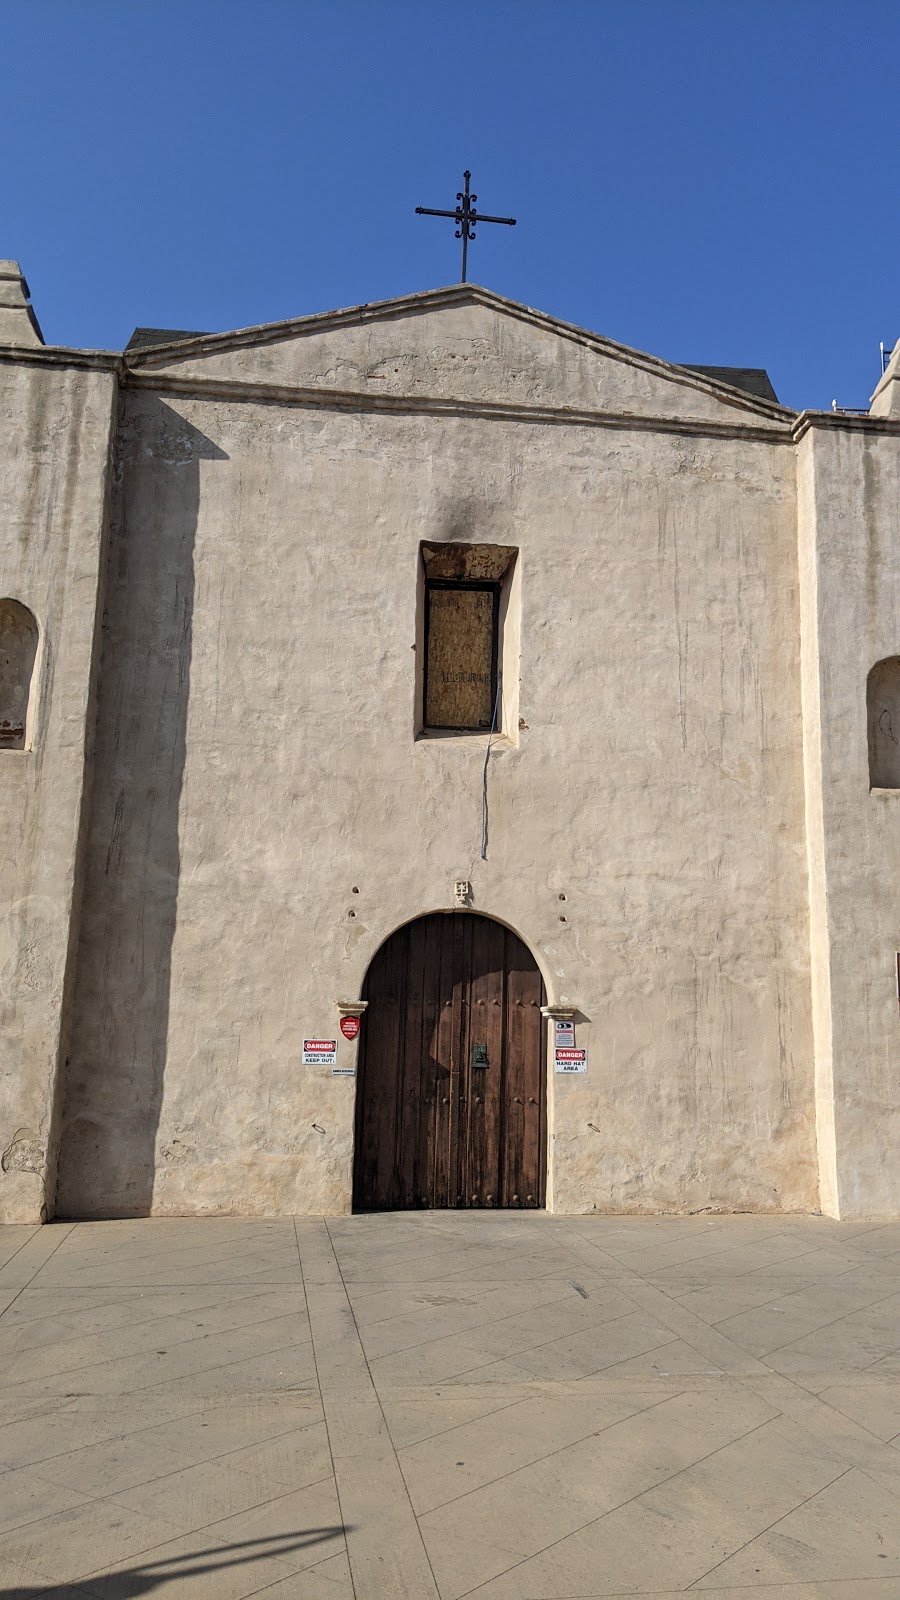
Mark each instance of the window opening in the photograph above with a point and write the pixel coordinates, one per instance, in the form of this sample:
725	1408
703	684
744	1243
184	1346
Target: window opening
461	643
18	648
883	707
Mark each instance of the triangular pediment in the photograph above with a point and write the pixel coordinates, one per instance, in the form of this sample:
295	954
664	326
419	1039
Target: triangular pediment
460	345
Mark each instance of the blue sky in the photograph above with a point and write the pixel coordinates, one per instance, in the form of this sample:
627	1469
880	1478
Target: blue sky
710	180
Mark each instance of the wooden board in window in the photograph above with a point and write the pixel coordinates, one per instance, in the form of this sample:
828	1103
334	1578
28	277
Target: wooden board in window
461	656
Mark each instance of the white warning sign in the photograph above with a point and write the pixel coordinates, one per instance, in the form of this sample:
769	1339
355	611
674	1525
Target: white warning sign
570	1061
319	1052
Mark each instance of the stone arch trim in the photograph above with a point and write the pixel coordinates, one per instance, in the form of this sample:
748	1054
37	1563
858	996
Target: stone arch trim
381	938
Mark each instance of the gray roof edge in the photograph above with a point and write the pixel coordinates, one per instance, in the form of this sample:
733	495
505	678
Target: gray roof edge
750	380
150	338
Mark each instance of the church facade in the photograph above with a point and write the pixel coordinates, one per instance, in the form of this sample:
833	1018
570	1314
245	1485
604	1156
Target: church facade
447	758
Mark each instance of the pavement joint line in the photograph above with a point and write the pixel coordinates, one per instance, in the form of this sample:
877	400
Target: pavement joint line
160	1477
428	1306
866	1472
148	1550
301	1572
858	1371
770	1374
494	1322
41	1232
148	1388
32	1230
684	1313
413	1256
830	1322
857	1252
799	1585
150	1286
360	1287
707	1255
135	1280
774	1524
792	1294
676	1339
592	1433
205	1527
847	1418
87	1310
398	1316
865	1228
27	1285
29	1466
463	1273
334	1477
809	1406
52	1516
57	1516
592	1521
575	1388
106	1361
493	1411
415	1520
802	1398
768	1266
142	1322
608	1322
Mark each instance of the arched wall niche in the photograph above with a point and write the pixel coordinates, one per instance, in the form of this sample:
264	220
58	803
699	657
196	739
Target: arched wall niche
19	637
883	711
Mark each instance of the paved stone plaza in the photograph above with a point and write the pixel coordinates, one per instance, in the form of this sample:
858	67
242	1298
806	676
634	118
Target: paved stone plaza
508	1406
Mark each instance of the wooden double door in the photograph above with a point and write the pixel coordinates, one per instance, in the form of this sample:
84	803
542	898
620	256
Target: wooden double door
451	1090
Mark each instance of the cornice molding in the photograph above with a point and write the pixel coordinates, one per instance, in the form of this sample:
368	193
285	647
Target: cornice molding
59	356
784	426
843	422
238	392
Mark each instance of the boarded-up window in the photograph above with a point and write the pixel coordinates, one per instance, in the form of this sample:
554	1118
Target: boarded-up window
18	648
883	705
461	655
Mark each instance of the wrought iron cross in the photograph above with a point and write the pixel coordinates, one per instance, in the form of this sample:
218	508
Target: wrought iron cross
465	216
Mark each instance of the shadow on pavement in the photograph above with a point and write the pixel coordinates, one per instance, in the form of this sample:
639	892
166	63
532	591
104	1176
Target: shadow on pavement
143	1579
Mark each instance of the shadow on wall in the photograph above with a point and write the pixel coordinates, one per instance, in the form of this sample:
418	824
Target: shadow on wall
131	1581
118	1024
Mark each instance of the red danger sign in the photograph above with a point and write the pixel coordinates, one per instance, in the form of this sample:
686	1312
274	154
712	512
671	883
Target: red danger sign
349	1027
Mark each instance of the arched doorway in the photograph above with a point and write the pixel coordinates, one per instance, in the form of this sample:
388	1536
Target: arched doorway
451	1090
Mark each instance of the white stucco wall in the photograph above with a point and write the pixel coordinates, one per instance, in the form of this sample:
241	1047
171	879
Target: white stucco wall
256	762
699	595
850	548
54	447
